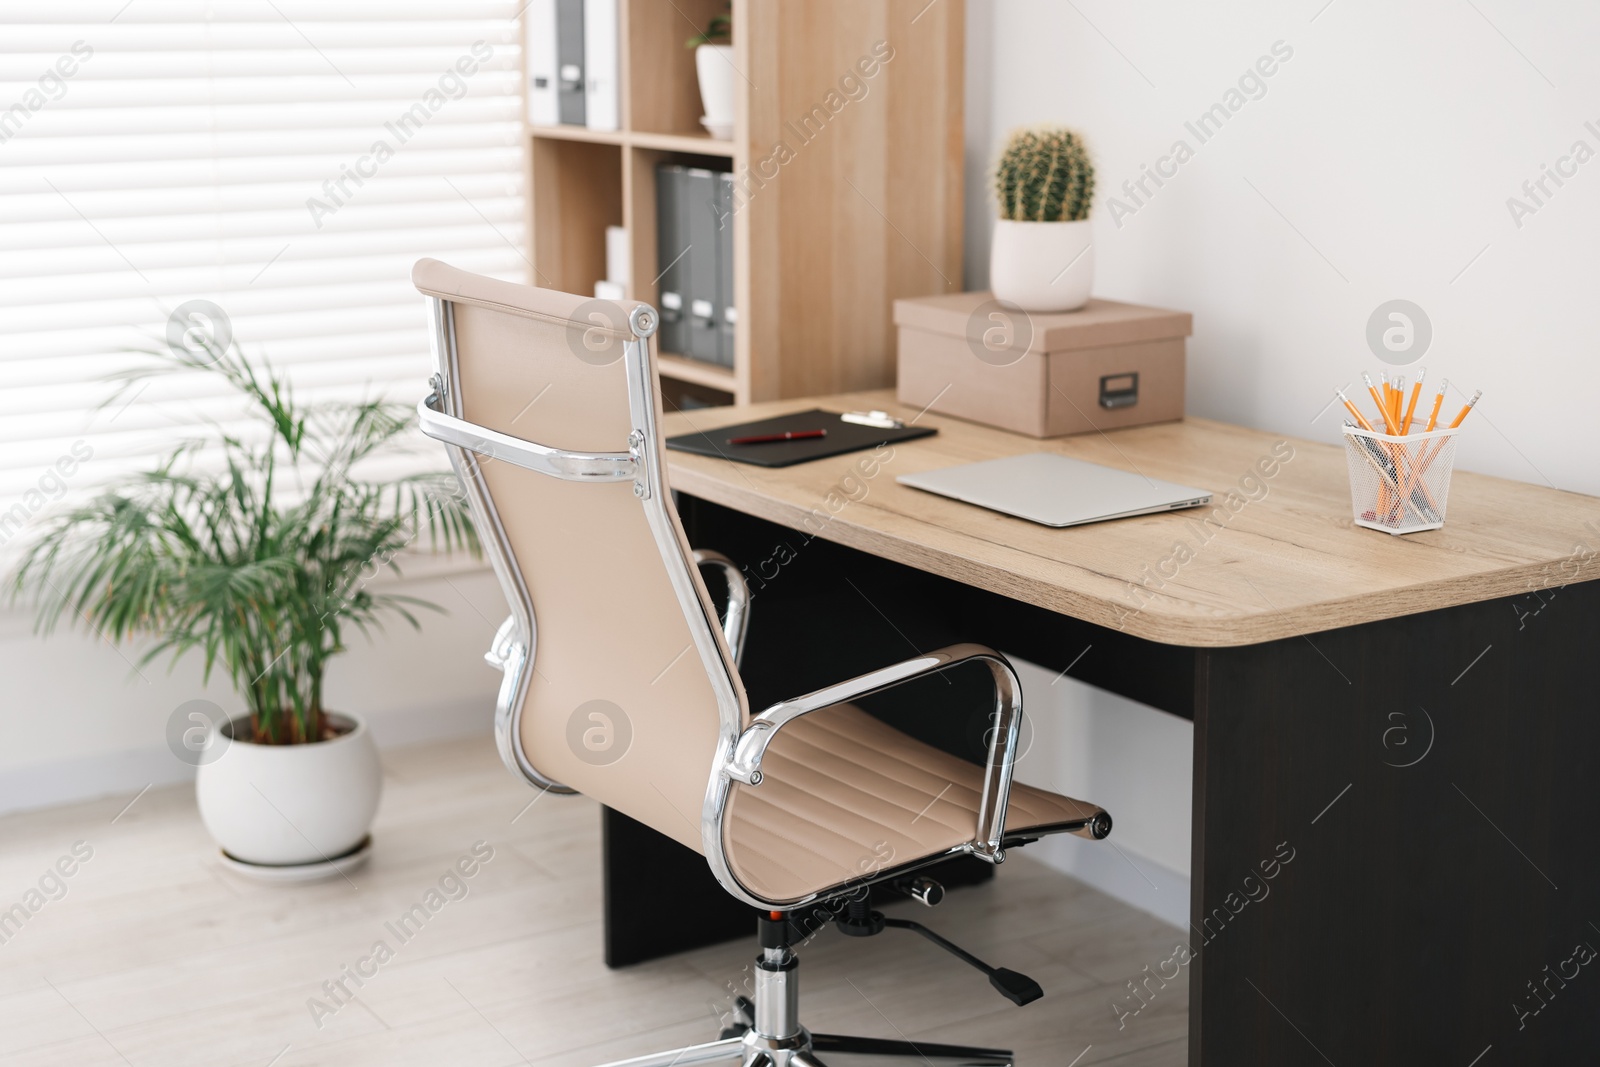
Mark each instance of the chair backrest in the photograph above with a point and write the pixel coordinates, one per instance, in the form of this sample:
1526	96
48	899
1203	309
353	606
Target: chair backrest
622	688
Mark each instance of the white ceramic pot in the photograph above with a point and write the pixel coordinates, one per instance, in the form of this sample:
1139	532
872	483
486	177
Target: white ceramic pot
291	804
713	63
1042	266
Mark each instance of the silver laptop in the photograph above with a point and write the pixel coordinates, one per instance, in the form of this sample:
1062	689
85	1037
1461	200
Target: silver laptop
1055	490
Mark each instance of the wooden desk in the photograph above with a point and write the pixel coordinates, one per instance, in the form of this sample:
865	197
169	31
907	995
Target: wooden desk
1413	719
1285	561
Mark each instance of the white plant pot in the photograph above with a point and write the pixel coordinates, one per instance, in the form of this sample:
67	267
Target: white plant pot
713	63
283	805
1042	266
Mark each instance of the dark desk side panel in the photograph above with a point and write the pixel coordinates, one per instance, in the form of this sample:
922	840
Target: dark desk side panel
1436	779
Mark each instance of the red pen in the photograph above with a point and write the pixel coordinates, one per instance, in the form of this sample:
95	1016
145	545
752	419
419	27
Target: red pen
768	438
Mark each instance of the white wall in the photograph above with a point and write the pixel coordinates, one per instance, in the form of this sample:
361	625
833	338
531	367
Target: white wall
1376	165
1390	141
79	722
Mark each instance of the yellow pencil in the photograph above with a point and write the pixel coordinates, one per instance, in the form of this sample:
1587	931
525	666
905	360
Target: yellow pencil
1411	409
1466	408
1383	407
1433	416
1355	412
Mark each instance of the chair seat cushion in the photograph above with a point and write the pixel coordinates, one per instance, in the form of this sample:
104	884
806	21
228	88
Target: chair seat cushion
845	796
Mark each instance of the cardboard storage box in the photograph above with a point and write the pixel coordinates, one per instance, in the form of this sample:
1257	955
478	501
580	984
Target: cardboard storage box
1105	366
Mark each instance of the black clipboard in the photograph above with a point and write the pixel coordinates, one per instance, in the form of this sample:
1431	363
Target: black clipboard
842	437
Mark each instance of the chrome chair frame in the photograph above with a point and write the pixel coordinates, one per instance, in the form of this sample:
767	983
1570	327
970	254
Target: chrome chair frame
775	1037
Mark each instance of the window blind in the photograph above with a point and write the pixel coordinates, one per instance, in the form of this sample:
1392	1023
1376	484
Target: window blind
261	169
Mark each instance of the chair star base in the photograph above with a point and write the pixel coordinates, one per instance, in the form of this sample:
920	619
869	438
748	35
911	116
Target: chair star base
773	1037
820	1050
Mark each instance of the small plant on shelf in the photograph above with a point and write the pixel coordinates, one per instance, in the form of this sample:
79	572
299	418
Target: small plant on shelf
713	64
718	31
1042	258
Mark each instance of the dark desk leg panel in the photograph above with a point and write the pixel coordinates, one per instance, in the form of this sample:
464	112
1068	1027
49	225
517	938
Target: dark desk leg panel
659	897
1395	856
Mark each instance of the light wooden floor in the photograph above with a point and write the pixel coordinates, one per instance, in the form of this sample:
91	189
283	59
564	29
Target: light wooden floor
156	955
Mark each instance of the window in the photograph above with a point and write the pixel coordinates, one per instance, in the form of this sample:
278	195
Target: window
261	169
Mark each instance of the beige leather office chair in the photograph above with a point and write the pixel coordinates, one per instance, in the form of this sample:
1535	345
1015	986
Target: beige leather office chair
621	683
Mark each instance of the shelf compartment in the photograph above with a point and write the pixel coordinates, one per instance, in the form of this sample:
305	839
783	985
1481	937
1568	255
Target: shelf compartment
663	87
640	191
577	193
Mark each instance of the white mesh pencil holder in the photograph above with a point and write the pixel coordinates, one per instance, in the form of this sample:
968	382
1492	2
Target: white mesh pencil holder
1399	484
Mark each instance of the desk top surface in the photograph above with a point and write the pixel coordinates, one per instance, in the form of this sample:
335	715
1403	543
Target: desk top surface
1274	556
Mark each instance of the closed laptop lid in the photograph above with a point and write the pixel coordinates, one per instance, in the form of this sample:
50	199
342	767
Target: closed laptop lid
1056	490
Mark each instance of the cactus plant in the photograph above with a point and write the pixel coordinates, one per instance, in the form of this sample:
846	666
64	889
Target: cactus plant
1044	175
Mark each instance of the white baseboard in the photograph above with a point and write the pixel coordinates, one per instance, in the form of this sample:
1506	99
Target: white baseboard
70	781
1134	880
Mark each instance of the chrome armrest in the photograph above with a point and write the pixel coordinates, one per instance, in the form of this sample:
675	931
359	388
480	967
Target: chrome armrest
492	444
751	747
736	620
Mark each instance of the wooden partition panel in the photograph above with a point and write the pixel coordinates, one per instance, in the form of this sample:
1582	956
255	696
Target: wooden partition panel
853	183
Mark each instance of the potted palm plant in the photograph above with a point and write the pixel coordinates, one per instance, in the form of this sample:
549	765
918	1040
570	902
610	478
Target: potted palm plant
1042	258
254	548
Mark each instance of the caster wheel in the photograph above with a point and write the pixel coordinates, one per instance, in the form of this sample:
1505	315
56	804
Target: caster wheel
744	1017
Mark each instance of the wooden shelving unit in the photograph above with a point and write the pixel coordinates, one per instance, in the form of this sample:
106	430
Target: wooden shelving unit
850	183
